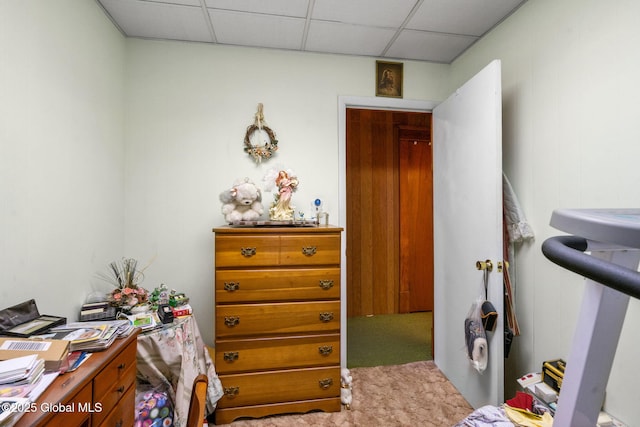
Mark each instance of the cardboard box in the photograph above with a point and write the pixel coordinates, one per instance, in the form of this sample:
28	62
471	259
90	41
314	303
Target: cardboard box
530	379
54	352
183	310
546	393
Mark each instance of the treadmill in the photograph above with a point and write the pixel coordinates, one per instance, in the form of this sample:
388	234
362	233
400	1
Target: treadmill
612	239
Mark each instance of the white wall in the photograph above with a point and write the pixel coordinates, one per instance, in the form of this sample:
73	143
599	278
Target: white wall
570	129
188	106
61	151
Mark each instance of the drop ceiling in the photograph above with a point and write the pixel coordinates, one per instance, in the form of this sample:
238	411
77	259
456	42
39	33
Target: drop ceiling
424	30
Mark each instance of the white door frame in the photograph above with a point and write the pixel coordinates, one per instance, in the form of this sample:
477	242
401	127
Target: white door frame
373	103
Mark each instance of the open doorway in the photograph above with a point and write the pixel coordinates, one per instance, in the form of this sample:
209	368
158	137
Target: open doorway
345	102
389	212
390	233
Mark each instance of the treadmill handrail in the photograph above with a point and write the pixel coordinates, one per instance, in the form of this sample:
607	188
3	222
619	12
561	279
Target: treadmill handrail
568	252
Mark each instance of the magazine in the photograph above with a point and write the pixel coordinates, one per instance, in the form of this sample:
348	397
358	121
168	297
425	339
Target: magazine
91	338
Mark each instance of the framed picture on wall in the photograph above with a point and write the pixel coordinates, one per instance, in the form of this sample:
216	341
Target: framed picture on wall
389	79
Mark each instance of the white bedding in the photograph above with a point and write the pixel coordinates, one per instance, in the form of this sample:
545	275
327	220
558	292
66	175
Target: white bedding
489	416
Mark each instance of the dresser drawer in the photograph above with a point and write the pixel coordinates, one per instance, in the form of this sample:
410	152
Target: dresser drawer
116	373
235	320
74	412
247	251
279	386
111	385
123	415
277	353
277	284
310	250
116	394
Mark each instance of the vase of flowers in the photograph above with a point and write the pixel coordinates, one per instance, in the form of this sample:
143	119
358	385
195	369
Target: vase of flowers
283	183
128	295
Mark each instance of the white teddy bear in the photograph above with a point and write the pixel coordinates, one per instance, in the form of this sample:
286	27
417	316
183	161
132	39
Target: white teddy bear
345	388
242	202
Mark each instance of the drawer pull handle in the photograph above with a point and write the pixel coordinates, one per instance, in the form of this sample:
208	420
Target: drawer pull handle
326	284
326	316
120	389
231	392
231	286
309	250
325	383
325	350
231	321
122	366
248	252
119	423
230	356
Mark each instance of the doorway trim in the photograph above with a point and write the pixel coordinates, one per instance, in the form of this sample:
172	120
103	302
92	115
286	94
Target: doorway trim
361	102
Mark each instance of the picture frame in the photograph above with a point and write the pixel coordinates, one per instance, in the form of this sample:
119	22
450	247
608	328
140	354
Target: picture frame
389	79
24	320
35	326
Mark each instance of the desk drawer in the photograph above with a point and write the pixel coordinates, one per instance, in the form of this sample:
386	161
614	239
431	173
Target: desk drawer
247	251
277	284
116	373
236	320
310	250
117	394
277	353
123	414
110	387
279	386
78	412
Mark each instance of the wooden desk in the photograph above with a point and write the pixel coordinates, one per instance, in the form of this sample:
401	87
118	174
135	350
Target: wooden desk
99	393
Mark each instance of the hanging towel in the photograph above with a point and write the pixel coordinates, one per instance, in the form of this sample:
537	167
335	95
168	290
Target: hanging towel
517	226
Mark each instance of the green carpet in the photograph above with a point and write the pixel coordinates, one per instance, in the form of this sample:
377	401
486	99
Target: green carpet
389	339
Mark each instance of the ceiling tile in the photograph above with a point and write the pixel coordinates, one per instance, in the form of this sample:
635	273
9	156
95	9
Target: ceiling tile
425	46
428	30
159	20
347	39
381	13
251	29
294	8
470	17
183	2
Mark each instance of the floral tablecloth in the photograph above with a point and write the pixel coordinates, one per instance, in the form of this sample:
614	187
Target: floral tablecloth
170	358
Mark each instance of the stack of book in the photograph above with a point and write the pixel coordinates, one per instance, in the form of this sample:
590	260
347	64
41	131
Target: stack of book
86	339
15	400
90	336
12	408
21	370
22	381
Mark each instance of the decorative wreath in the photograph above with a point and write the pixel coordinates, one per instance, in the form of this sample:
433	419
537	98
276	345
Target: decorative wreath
268	149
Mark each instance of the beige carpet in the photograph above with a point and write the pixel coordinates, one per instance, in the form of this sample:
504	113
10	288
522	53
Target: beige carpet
413	394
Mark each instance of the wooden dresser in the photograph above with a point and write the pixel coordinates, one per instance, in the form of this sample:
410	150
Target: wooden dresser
277	322
99	393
